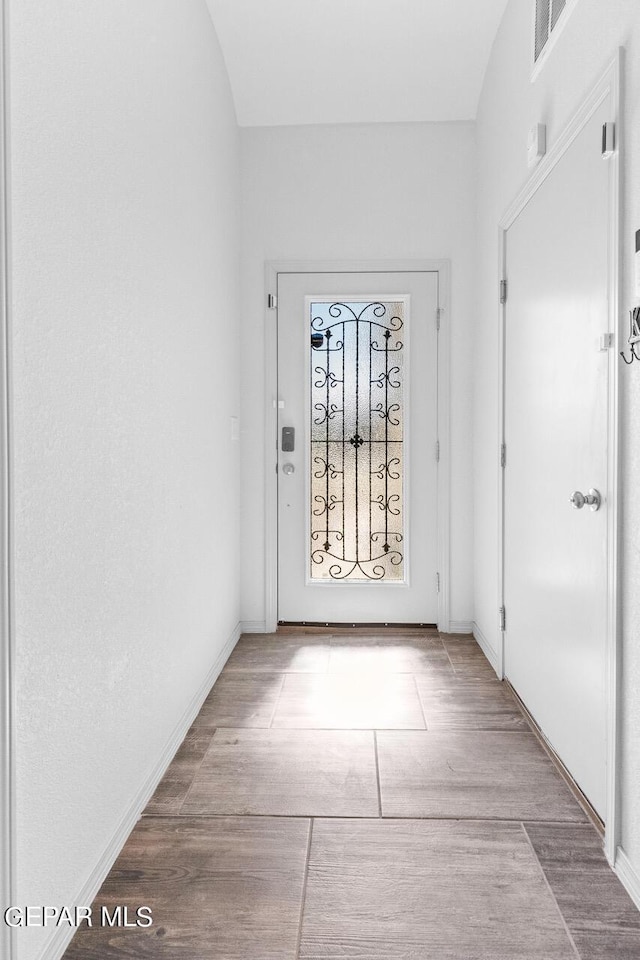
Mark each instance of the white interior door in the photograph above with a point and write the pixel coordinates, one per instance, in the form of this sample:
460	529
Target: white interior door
556	422
357	469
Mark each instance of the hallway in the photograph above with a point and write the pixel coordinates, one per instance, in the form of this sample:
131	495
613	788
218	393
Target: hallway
373	797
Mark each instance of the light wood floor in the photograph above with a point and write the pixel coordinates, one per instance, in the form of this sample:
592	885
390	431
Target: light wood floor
363	798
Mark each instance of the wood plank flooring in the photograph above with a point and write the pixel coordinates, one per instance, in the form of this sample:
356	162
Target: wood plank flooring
473	705
367	797
217	887
382	701
602	919
297	773
405	888
472	774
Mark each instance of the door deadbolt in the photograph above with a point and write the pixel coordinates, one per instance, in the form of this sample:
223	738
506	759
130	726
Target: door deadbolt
591	499
288	439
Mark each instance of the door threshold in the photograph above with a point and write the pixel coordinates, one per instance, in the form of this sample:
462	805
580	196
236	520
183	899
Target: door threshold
594	817
316	625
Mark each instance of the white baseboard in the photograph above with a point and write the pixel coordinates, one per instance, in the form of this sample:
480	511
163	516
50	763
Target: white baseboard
460	626
487	649
254	626
628	876
61	937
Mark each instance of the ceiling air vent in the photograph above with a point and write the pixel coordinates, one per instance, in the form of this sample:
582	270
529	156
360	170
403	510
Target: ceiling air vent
548	13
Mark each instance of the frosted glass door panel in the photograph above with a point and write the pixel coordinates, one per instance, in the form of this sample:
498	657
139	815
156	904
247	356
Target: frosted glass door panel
356	415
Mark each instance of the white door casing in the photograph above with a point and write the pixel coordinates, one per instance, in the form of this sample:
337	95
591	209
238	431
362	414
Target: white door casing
417	599
560	427
7	712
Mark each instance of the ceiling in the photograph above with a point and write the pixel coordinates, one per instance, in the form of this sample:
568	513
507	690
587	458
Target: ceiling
355	61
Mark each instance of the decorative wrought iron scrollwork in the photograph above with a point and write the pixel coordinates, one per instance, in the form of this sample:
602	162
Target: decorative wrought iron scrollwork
326	411
388	469
357	528
326	377
324	468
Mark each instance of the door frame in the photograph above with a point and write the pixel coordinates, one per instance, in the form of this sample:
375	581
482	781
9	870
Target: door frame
609	85
7	659
272	271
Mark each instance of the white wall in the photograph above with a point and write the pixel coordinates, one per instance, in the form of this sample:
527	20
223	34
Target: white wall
356	192
126	334
509	105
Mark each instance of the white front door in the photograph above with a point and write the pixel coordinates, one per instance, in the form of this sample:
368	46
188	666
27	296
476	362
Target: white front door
357	468
556	421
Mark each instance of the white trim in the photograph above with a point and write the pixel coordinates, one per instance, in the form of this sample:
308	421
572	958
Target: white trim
628	876
460	626
443	496
538	65
253	626
614	653
609	85
492	656
272	270
271	452
55	946
502	268
7	732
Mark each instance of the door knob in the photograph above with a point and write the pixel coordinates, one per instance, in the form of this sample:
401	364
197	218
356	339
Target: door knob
288	469
592	499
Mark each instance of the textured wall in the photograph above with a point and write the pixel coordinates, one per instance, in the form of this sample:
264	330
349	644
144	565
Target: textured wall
125	207
509	105
365	192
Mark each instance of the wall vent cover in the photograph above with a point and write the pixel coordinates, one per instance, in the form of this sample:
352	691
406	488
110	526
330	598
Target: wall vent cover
548	13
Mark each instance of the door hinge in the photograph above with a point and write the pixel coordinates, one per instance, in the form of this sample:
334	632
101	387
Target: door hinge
272	301
502	619
437	451
503	455
438	317
503	291
438	582
608	140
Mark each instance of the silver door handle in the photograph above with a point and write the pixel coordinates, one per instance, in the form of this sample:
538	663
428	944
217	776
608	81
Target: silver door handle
592	499
288	469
